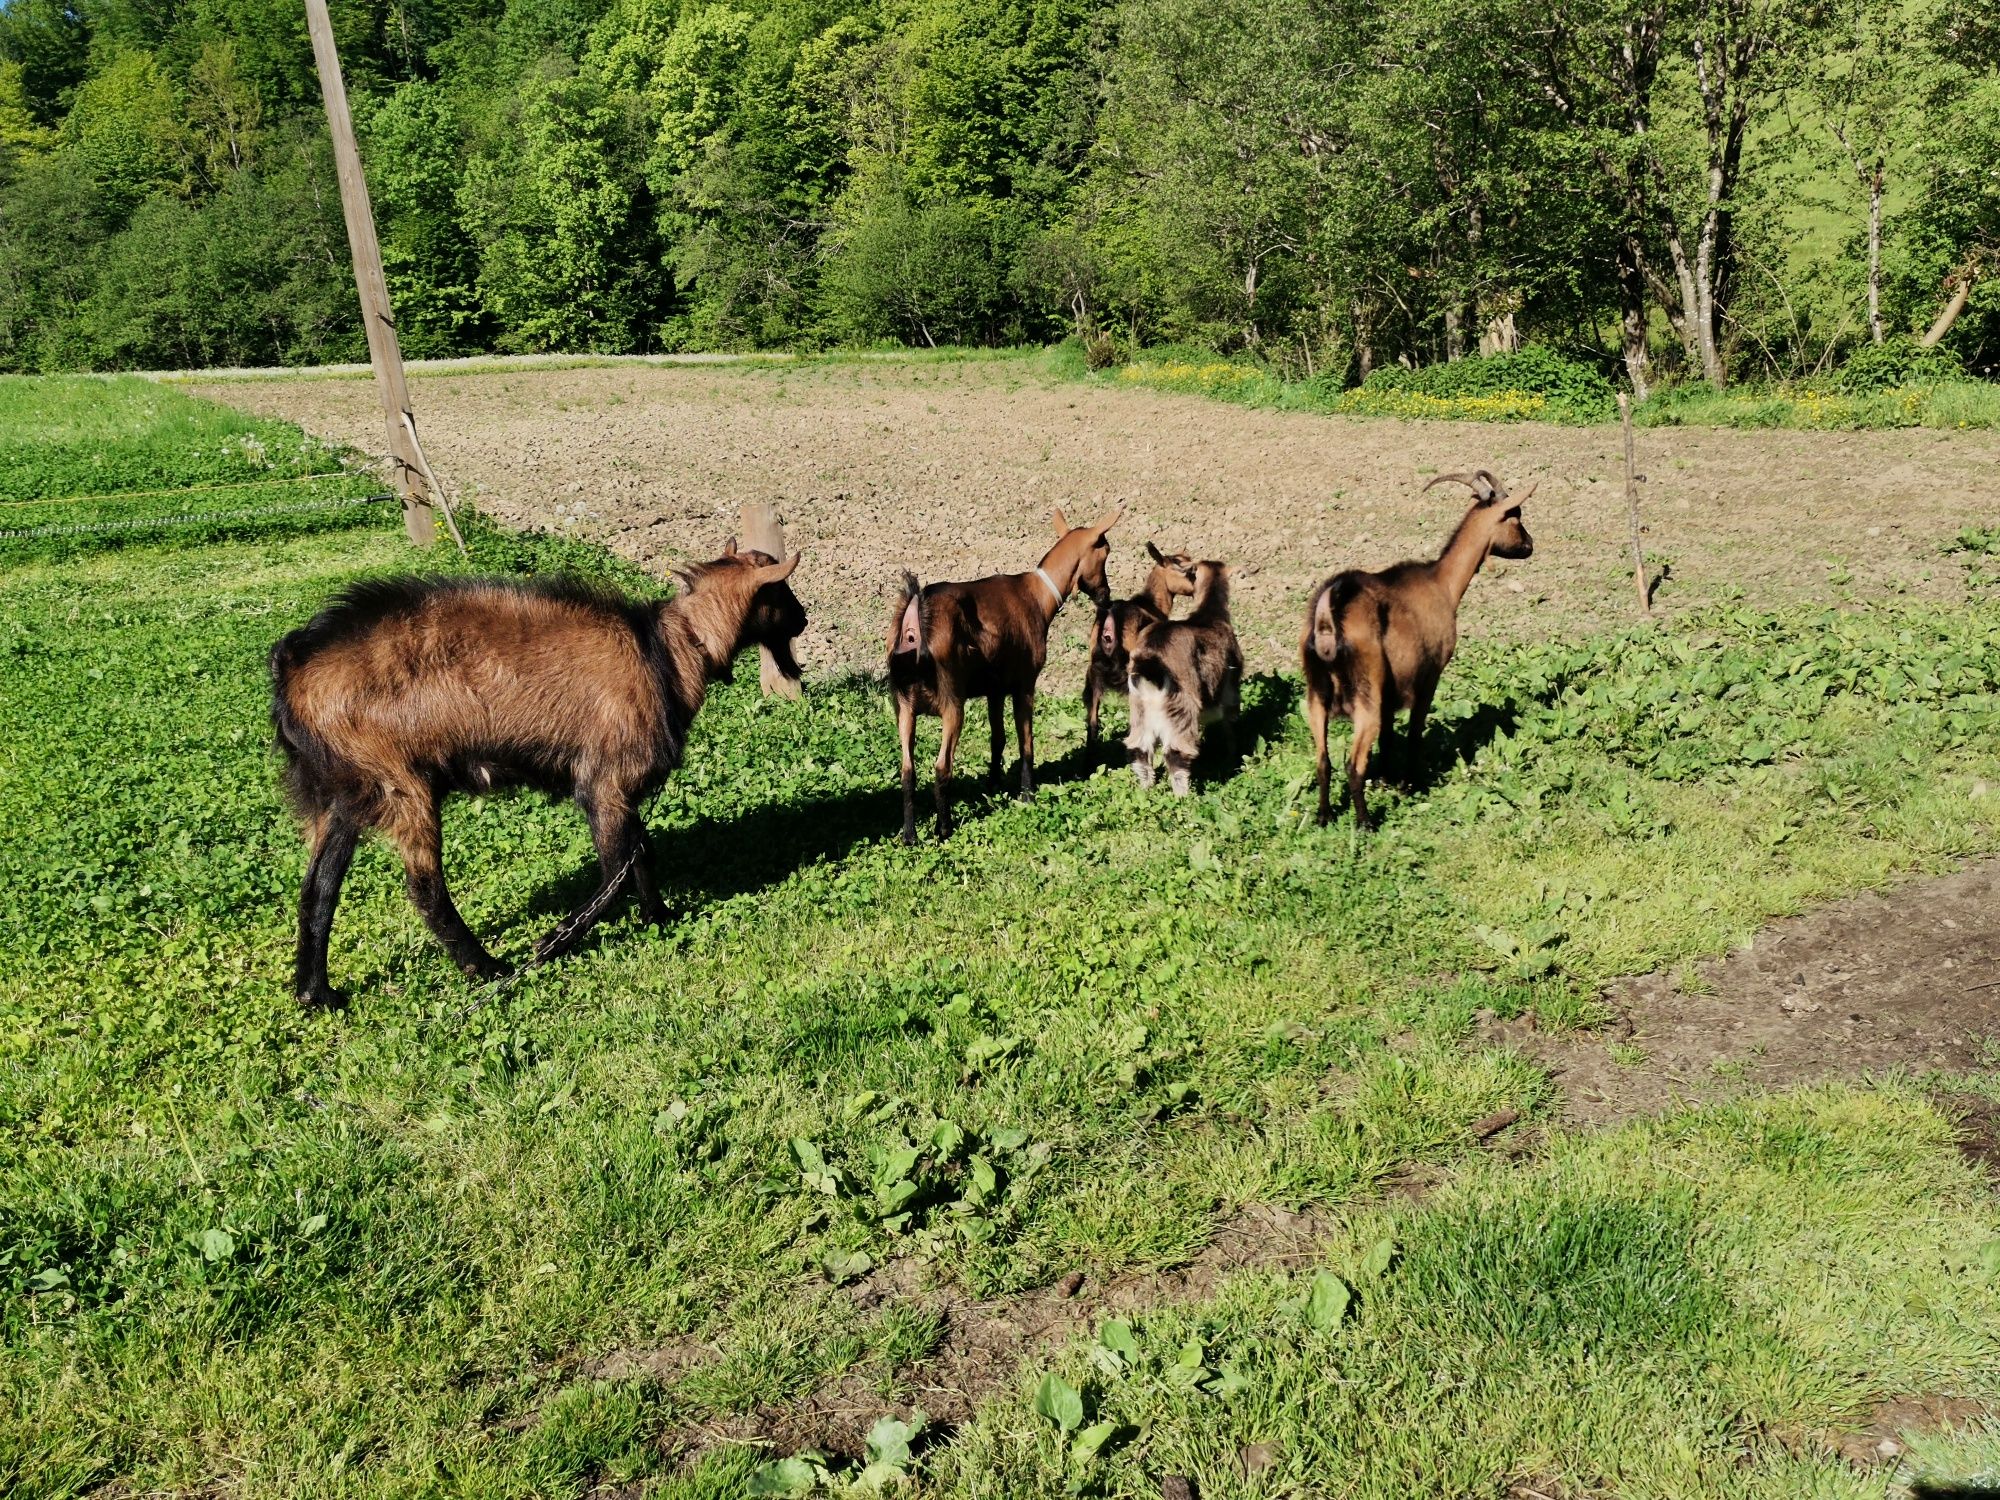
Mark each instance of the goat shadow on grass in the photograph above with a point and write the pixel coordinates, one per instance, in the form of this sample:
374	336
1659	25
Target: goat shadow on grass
1448	743
712	859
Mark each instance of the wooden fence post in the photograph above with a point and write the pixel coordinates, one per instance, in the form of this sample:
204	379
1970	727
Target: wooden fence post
384	353
1632	509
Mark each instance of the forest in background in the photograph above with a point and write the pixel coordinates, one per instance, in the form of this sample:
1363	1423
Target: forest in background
1672	190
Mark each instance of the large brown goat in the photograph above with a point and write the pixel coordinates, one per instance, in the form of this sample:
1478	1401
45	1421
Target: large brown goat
403	690
1117	629
1185	674
1376	643
952	642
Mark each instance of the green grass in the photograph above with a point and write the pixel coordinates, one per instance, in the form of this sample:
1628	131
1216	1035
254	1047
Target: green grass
379	1253
1951	405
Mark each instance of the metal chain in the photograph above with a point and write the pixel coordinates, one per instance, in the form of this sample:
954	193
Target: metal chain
195	518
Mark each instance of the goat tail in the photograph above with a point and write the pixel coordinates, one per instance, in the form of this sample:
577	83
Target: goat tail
309	762
1323	633
1151	670
909	630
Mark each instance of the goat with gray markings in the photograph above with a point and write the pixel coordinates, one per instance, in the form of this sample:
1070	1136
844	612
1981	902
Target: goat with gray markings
1186	674
1117	631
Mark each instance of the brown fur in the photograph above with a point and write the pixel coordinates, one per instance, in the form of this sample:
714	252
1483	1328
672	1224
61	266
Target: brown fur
1185	674
404	690
1376	643
1117	629
952	642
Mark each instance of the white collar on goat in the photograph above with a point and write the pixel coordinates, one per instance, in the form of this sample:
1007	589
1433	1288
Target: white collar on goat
1043	574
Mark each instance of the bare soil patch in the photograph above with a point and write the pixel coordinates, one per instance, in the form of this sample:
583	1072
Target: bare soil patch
1907	979
985	1342
951	469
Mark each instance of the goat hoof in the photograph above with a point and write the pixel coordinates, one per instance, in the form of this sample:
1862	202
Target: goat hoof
322	997
491	968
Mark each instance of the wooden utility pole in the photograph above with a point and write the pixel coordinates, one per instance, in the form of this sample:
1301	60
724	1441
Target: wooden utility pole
1632	509
383	350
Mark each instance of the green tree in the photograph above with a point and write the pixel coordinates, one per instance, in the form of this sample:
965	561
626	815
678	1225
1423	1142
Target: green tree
414	152
563	222
125	134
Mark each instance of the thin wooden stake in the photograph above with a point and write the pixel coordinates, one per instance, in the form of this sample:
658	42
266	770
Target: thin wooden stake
1632	509
763	530
384	353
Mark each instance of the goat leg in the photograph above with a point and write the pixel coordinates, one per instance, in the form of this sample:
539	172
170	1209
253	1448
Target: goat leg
1421	694
333	851
1367	717
1024	731
621	849
996	737
1316	719
420	840
952	713
906	736
1093	695
652	908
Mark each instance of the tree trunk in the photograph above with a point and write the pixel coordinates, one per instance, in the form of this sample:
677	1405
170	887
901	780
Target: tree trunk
1454	334
1364	343
1685	314
1632	314
1705	311
1875	253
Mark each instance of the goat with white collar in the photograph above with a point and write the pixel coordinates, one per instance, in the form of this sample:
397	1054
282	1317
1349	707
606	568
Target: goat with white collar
952	642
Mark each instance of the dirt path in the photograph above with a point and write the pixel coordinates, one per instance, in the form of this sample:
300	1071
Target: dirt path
951	469
1905	980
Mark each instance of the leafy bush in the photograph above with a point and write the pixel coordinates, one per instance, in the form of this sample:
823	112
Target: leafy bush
1894	363
1536	382
931	273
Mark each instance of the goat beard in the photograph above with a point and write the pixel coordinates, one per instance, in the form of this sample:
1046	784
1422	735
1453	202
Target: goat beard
778	671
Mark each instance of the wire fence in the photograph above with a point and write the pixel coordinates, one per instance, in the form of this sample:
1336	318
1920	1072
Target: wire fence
193	518
180	489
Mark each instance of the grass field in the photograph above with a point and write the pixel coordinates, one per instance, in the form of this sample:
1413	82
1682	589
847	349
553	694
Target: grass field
629	1224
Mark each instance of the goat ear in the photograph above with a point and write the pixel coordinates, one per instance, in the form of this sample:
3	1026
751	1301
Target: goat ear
729	547
1105	522
776	572
1517	499
1061	521
1154	553
688	576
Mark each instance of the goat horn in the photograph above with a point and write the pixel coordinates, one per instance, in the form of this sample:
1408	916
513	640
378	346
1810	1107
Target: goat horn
1481	483
1464	479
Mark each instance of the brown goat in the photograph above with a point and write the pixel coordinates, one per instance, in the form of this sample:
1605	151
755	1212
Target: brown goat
1117	628
988	638
1185	674
1376	643
403	690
